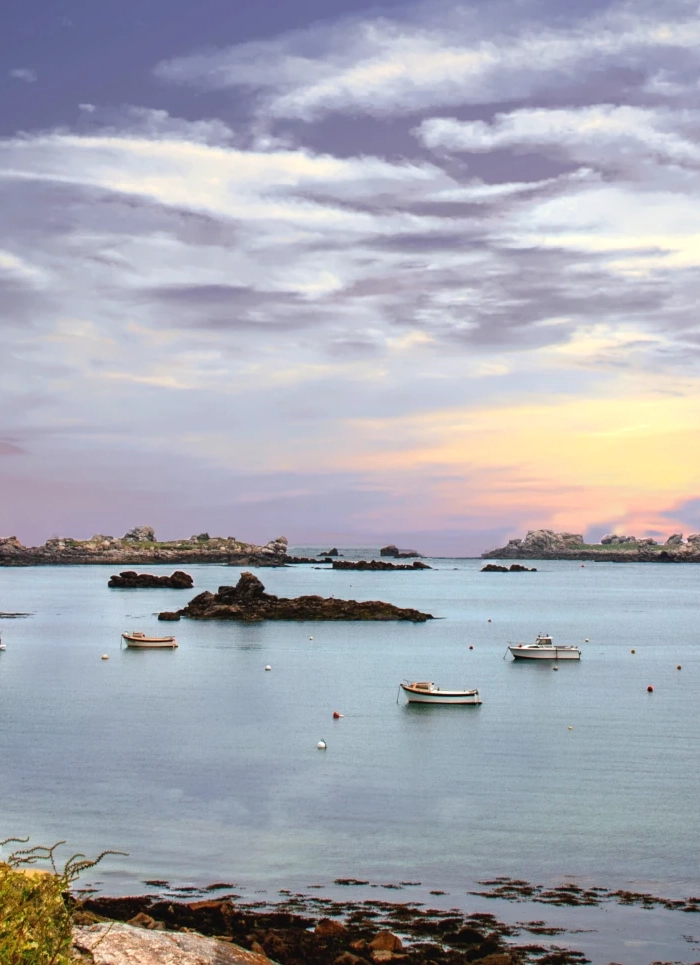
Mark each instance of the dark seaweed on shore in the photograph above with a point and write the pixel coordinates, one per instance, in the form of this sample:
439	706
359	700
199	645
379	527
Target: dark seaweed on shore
514	889
308	930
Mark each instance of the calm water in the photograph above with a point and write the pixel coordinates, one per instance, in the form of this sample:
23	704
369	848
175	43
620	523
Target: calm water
204	767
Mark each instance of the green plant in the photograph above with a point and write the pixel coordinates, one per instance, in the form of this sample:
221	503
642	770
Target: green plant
35	905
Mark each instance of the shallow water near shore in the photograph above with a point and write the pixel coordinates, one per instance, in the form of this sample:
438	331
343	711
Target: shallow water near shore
204	767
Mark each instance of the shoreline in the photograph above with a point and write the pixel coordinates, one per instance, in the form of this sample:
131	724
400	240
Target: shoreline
294	927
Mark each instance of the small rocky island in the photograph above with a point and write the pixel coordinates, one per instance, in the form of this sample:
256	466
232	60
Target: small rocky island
544	544
130	580
139	547
396	553
248	601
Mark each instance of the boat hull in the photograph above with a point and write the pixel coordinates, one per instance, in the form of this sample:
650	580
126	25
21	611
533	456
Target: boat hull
149	643
544	653
441	696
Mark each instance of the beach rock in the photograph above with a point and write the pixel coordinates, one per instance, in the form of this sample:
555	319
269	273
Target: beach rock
329	928
129	579
386	941
141	534
675	540
378	565
248	601
347	958
169	615
114	943
614	548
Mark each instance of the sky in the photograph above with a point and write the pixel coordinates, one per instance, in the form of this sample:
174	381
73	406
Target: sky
425	273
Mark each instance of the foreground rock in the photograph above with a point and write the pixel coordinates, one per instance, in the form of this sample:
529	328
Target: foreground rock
114	943
129	580
249	601
378	565
544	544
396	553
139	547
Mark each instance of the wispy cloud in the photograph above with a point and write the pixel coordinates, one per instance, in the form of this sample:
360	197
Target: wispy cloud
25	74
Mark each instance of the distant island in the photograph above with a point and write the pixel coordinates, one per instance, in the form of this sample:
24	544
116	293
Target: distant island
140	546
545	544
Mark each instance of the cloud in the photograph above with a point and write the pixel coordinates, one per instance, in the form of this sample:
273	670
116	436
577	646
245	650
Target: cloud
449	56
25	74
606	134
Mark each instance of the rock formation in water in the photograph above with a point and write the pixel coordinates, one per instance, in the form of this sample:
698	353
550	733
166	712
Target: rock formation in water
544	544
130	580
378	565
396	553
248	601
140	547
513	568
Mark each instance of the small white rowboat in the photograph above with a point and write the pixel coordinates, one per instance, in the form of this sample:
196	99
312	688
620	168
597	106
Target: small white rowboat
425	692
544	649
139	640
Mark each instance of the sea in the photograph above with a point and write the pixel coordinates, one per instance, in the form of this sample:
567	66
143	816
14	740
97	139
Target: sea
203	766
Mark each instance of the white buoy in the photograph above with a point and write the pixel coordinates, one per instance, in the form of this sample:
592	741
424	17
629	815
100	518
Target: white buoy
555	668
105	656
321	745
268	667
586	640
310	638
570	727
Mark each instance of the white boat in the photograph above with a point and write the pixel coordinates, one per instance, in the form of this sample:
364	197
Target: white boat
425	692
544	649
141	641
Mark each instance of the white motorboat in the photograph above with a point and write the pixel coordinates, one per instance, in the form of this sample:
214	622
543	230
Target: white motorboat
139	640
425	692
544	649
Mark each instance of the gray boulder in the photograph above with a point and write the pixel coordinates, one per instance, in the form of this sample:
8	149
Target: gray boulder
113	943
141	534
675	540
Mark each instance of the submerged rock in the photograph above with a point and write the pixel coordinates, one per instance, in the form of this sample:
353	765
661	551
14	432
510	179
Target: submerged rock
249	601
513	568
378	565
129	579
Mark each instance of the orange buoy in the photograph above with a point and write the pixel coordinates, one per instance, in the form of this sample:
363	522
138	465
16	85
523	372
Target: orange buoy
633	651
583	565
471	647
489	620
678	667
650	689
336	715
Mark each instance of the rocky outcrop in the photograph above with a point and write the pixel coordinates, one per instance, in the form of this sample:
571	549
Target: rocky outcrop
378	565
130	580
333	552
513	568
544	544
248	601
138	547
115	943
396	553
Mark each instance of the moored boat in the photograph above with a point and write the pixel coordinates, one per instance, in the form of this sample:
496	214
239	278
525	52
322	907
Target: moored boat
138	639
544	649
425	692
